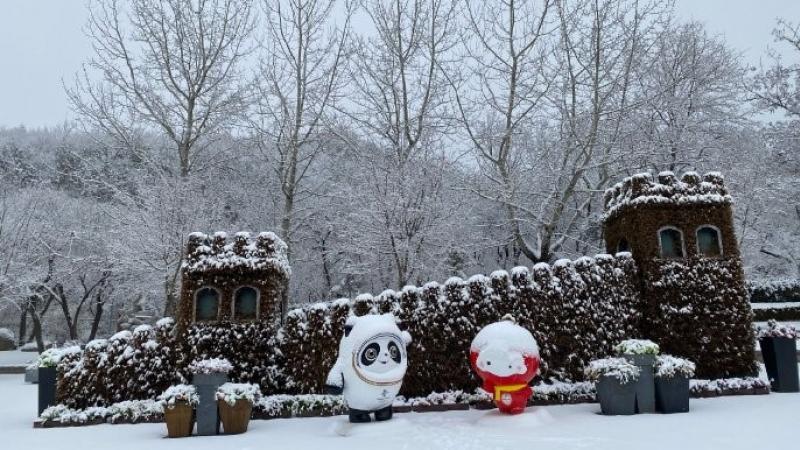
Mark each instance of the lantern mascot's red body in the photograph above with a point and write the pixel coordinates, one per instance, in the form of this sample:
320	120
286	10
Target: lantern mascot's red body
506	357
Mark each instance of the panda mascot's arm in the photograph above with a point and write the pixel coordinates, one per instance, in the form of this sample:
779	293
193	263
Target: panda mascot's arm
334	384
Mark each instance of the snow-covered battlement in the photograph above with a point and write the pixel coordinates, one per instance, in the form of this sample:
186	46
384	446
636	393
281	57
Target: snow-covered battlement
217	252
642	189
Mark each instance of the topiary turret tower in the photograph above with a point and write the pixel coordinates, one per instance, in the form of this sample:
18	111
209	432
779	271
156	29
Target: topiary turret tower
682	237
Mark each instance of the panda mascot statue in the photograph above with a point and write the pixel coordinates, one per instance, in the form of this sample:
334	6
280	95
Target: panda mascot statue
370	367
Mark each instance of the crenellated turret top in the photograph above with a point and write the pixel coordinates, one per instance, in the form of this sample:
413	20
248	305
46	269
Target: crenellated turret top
264	251
642	189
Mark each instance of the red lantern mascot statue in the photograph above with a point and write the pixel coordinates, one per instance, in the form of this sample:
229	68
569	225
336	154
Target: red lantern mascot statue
506	357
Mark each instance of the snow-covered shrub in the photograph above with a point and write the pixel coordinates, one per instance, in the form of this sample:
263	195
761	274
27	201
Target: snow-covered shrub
636	347
135	410
211	365
770	291
7	335
230	393
299	405
770	311
128	366
668	366
308	345
180	393
775	329
53	356
618	368
705	388
64	414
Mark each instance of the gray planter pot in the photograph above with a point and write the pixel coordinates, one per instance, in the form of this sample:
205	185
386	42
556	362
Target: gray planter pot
616	398
672	395
645	386
207	413
32	375
47	387
780	359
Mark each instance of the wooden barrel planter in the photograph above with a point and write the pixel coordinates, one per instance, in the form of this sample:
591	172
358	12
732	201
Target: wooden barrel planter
180	419
236	417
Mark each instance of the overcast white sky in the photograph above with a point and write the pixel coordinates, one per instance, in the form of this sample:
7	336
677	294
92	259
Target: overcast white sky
42	42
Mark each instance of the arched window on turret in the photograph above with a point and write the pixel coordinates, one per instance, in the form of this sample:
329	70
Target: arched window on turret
245	304
708	241
670	241
623	246
206	304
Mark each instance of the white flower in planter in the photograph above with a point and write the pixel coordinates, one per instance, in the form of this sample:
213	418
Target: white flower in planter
668	366
52	356
230	393
637	347
775	329
618	368
179	393
212	365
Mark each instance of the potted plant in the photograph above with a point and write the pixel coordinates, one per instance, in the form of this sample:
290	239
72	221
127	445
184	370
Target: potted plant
236	402
779	351
672	383
46	378
207	376
641	353
178	403
616	385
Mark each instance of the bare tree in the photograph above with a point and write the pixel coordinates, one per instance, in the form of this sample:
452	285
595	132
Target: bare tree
692	96
777	87
170	64
499	92
299	79
399	117
552	82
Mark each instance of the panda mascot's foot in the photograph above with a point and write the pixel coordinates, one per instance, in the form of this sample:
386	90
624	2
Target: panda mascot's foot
358	416
383	414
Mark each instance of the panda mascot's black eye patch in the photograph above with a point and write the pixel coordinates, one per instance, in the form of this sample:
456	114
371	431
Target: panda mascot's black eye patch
394	352
370	354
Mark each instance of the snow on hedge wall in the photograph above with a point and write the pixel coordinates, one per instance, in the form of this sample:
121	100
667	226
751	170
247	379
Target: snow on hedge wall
576	310
774	291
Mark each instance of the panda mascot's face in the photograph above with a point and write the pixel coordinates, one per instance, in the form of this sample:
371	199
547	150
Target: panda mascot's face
381	354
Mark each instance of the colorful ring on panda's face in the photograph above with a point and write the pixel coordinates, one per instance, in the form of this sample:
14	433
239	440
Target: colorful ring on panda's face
395	348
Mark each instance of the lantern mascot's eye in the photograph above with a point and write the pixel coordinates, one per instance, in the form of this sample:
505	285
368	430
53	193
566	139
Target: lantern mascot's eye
370	367
506	357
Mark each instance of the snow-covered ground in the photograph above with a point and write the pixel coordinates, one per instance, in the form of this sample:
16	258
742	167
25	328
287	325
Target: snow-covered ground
745	423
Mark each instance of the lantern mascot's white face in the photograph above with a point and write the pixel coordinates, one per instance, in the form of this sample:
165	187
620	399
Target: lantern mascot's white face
371	365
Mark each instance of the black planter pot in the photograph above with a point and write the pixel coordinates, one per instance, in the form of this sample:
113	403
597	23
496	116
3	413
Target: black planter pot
207	413
47	387
616	398
672	395
645	385
780	359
